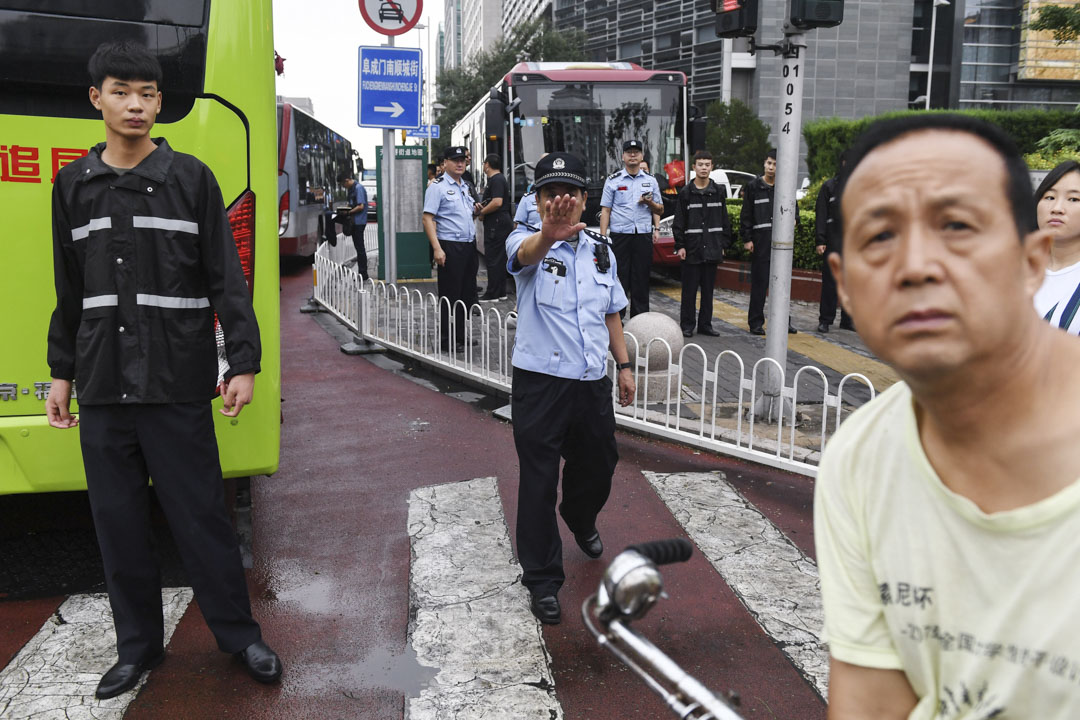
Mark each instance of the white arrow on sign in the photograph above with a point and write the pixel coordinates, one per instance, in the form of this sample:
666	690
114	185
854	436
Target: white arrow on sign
395	108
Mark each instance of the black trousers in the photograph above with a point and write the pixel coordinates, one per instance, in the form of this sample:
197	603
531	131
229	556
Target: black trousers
633	256
123	445
827	306
457	281
496	230
694	276
361	251
759	283
573	419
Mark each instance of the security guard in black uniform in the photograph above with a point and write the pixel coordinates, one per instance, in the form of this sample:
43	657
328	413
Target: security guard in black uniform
829	231
568	318
756	225
144	257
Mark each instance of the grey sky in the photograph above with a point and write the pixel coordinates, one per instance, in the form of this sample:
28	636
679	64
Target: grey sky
318	39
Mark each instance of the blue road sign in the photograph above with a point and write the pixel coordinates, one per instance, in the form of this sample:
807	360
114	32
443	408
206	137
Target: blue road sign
389	92
424	131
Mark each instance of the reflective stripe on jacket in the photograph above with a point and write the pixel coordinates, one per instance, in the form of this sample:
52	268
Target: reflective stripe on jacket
142	261
755	220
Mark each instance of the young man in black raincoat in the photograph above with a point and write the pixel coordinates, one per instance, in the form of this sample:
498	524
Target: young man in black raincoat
702	232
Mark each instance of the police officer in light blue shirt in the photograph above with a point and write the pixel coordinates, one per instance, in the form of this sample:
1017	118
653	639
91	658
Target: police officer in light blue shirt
568	318
630	209
449	209
527	213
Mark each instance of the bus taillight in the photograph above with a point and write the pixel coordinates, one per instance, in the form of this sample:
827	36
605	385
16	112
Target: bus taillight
283	214
242	221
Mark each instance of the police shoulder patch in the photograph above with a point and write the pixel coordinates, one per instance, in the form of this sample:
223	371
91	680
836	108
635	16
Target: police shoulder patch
439	179
614	175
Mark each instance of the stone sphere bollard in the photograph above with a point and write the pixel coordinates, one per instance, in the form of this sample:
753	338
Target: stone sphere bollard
646	327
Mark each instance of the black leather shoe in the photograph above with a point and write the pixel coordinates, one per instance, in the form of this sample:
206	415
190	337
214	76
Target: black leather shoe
688	333
708	331
261	662
757	331
822	327
546	609
791	330
121	678
590	544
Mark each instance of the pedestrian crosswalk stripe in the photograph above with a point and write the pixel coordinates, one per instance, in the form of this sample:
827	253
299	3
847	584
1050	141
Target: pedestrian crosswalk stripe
773	579
471	613
55	674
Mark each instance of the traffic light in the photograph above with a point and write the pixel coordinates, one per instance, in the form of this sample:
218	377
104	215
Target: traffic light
735	18
807	14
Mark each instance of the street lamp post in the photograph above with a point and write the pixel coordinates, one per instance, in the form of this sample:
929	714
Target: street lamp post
933	39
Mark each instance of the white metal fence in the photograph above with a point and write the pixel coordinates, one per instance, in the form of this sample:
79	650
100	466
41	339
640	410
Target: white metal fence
702	402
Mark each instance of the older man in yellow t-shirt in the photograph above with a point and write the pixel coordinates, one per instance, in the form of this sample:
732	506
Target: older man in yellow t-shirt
947	511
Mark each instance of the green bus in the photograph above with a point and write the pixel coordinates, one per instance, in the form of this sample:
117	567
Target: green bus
219	105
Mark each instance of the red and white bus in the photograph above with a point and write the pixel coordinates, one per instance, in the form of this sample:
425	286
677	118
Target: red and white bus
310	158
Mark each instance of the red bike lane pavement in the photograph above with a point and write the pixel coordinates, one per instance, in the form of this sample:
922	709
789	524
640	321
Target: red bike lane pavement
330	583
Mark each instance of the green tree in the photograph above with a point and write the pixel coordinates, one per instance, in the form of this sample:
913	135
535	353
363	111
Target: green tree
736	137
461	88
1062	20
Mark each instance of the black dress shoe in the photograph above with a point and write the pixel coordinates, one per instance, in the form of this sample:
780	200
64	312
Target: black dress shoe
708	331
688	333
546	609
757	331
121	678
822	327
261	662
791	330
590	544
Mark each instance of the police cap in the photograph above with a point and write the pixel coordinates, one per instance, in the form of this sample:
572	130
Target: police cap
561	167
631	145
455	151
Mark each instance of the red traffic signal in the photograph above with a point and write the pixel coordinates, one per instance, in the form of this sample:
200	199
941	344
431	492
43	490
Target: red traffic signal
735	18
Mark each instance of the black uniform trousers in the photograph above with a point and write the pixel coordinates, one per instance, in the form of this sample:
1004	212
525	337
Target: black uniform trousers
827	306
457	281
361	251
496	230
573	419
694	276
633	257
760	261
123	445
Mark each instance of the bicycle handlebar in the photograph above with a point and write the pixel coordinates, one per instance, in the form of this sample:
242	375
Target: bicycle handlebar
664	552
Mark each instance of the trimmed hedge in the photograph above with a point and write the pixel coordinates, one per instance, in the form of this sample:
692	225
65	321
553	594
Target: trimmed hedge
805	258
827	137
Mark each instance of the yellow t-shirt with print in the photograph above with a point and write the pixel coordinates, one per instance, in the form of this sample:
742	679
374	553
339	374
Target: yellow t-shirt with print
981	611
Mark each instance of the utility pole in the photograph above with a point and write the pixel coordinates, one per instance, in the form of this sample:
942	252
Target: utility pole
387	201
785	213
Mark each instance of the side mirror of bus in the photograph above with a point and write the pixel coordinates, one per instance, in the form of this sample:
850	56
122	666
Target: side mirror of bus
494	125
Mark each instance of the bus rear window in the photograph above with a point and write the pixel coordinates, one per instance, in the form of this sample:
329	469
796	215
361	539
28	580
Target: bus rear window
45	46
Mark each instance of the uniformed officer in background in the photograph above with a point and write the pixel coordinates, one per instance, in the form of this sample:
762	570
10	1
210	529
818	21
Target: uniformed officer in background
450	228
756	225
630	208
828	228
568	319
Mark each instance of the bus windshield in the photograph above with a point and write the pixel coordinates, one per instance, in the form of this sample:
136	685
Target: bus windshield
593	120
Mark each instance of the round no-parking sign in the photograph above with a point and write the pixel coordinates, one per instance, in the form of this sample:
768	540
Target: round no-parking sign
391	17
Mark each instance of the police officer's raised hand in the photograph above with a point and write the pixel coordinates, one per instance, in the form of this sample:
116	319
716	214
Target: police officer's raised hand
561	217
58	404
236	393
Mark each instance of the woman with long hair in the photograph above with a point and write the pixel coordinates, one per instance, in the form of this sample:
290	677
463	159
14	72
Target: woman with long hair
1058	206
